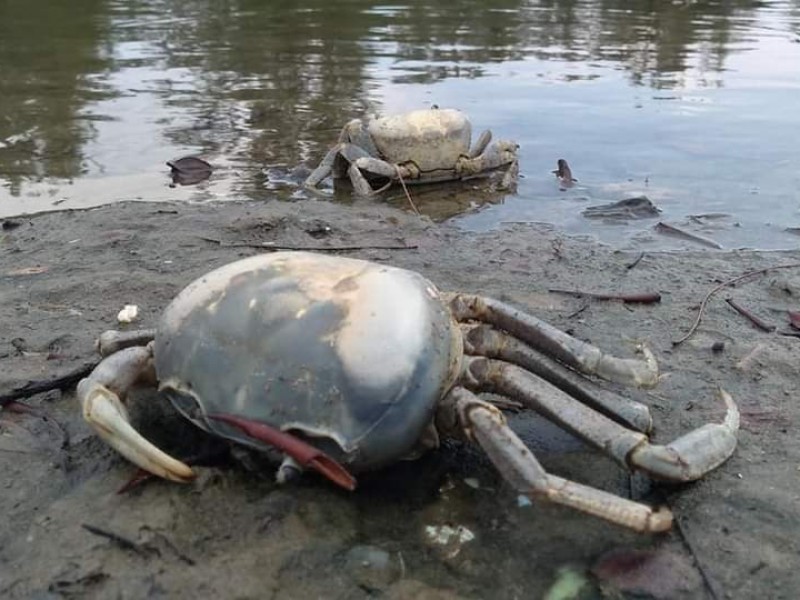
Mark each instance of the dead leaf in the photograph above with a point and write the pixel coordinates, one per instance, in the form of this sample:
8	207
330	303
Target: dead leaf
658	574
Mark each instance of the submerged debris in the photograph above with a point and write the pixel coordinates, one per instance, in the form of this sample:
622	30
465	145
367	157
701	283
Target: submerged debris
564	175
668	229
449	537
189	170
639	207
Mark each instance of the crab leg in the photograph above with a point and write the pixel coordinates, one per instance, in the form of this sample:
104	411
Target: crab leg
99	395
494	156
486	425
371	165
112	341
347	151
484	340
480	144
563	347
686	459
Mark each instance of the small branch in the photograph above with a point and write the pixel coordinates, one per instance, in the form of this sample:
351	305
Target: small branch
118	539
271	246
642	298
635	262
37	387
711	583
757	321
672	230
579	311
722	285
405	189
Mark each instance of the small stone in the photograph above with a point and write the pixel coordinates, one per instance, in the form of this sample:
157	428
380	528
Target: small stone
473	483
523	501
717	347
128	314
372	567
568	585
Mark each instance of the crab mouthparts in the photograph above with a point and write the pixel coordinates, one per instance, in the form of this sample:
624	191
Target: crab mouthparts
304	453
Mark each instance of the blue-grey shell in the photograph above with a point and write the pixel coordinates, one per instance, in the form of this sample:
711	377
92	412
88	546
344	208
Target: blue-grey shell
339	350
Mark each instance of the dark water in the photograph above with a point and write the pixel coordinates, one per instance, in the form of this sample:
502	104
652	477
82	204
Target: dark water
694	104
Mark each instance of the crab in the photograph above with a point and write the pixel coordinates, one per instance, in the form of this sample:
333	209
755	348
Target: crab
342	366
423	146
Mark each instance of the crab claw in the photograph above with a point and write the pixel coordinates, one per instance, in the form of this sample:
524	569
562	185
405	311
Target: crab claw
105	412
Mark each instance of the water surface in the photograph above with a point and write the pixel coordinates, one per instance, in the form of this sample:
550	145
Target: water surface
691	103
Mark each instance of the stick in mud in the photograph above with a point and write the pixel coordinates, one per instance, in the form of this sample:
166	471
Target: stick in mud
662	227
38	386
118	539
757	321
722	285
642	298
635	262
271	246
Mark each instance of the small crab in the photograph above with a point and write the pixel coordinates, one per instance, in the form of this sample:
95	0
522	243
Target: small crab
345	365
423	146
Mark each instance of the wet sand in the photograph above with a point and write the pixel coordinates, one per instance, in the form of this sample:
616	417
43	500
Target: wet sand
234	533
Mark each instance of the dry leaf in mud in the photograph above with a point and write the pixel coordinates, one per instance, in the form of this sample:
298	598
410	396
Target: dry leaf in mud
27	271
659	574
794	319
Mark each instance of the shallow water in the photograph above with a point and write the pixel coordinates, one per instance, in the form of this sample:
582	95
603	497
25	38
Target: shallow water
692	104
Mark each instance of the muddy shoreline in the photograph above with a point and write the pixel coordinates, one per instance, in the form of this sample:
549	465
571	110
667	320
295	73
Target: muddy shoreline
64	276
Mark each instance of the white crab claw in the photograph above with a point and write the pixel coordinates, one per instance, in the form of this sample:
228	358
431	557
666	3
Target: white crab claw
104	411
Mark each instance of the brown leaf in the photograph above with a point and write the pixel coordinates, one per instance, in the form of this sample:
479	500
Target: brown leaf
658	574
794	318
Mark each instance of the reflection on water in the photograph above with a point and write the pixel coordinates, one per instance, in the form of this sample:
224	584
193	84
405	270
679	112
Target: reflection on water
688	102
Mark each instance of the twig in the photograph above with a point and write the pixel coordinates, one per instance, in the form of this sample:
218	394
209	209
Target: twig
672	230
635	262
757	321
37	387
141	476
711	584
118	539
136	480
271	246
579	311
722	285
643	298
405	189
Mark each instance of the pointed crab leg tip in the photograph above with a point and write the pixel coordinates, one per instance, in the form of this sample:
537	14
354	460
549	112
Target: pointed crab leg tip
732	415
660	521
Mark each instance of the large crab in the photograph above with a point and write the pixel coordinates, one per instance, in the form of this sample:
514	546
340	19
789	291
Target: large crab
346	365
422	146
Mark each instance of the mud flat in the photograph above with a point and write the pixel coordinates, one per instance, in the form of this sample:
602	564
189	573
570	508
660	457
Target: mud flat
64	276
